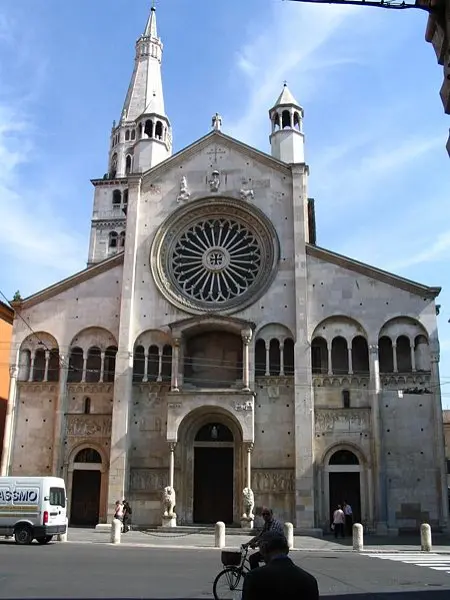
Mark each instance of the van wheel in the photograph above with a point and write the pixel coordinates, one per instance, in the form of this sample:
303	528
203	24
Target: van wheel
23	535
44	540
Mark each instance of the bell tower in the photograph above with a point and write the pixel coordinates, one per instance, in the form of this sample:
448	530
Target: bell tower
287	139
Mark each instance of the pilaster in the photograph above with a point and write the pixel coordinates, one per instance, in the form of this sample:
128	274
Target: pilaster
10	422
61	408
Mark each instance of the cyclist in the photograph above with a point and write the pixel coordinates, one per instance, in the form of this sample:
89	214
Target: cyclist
270	524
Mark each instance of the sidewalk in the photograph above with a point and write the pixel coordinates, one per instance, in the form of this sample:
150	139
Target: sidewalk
184	540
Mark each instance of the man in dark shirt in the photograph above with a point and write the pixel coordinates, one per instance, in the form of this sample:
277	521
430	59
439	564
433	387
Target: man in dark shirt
270	524
280	578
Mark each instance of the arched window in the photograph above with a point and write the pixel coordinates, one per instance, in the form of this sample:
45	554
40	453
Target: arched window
166	365
385	355
260	358
422	353
288	356
110	364
133	134
125	197
53	365
344	457
339	356
116	197
75	373
158	130
404	364
127	135
93	365
39	365
360	355
319	355
122	239
113	238
87	406
88	455
113	171
24	365
274	357
148	129
128	164
286	119
138	363
276	122
296	121
153	363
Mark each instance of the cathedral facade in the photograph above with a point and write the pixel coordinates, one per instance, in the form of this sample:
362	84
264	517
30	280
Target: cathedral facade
212	356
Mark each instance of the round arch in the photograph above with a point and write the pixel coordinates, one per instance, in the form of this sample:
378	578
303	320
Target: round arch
93	336
338	325
87	485
349	447
194	482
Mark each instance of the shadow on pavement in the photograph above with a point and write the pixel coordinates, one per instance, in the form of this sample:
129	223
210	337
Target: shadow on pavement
401	595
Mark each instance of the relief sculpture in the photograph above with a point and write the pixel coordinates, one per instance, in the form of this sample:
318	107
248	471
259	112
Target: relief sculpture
342	420
148	480
79	426
272	481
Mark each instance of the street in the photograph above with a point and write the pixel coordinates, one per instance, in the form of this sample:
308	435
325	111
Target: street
100	570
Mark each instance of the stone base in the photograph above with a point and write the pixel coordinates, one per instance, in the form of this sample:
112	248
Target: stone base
247	523
103	528
169	521
381	528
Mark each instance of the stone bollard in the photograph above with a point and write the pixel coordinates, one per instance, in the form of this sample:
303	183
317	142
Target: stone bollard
219	537
425	537
116	530
62	537
289	534
358	537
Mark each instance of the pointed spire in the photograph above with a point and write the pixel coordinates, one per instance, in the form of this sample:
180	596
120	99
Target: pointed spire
150	29
286	97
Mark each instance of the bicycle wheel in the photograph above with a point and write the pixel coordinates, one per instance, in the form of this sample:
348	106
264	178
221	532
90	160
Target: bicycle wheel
228	584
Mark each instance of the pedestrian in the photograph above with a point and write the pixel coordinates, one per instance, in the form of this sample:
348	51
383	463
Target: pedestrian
270	524
118	511
348	512
280	577
127	512
338	522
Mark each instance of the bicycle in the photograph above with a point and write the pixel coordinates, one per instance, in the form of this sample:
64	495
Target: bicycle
229	582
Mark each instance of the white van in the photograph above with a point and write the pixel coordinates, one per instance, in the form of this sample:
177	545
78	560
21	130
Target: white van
32	508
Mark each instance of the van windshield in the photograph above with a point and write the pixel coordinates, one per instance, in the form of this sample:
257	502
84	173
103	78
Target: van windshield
57	497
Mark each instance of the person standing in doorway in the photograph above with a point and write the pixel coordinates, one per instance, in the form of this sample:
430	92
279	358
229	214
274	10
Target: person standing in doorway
348	512
338	522
127	512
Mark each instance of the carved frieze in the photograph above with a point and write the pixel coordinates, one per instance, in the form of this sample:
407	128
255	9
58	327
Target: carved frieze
148	480
151	424
342	420
353	381
98	426
50	388
273	481
90	388
243	406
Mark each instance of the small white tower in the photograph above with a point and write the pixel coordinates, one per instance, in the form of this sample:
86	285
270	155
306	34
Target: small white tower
287	140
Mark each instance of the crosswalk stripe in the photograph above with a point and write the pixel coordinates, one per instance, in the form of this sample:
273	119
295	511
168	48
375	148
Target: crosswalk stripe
436	562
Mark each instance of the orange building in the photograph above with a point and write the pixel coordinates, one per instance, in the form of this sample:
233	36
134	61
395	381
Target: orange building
6	322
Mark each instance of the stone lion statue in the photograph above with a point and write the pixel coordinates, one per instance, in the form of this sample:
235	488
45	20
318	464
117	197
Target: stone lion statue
168	500
249	503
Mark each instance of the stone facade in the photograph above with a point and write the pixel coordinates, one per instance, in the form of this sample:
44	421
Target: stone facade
218	348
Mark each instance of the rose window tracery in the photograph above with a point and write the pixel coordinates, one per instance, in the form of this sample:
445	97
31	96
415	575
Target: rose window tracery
214	255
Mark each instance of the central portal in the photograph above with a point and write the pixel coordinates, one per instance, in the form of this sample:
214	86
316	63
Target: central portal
213	474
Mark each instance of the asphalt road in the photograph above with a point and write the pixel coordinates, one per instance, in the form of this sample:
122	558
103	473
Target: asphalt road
99	570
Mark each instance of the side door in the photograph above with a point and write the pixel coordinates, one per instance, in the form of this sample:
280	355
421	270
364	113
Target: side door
57	509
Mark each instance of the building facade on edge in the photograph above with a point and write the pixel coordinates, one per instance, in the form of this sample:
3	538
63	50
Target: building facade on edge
212	346
6	327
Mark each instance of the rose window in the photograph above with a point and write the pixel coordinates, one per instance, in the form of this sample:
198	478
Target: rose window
214	255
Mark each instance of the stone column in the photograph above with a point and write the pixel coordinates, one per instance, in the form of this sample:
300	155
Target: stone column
379	471
248	516
330	362
102	366
8	437
267	358
31	373
160	353
61	408
47	359
145	378
172	446
394	357
350	361
175	364
281	359
169	517
439	434
413	357
83	376
246	335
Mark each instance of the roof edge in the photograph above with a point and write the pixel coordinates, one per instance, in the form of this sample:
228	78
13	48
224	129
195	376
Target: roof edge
370	271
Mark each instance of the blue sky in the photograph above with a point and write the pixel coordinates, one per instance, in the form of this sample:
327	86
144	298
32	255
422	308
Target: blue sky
368	82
